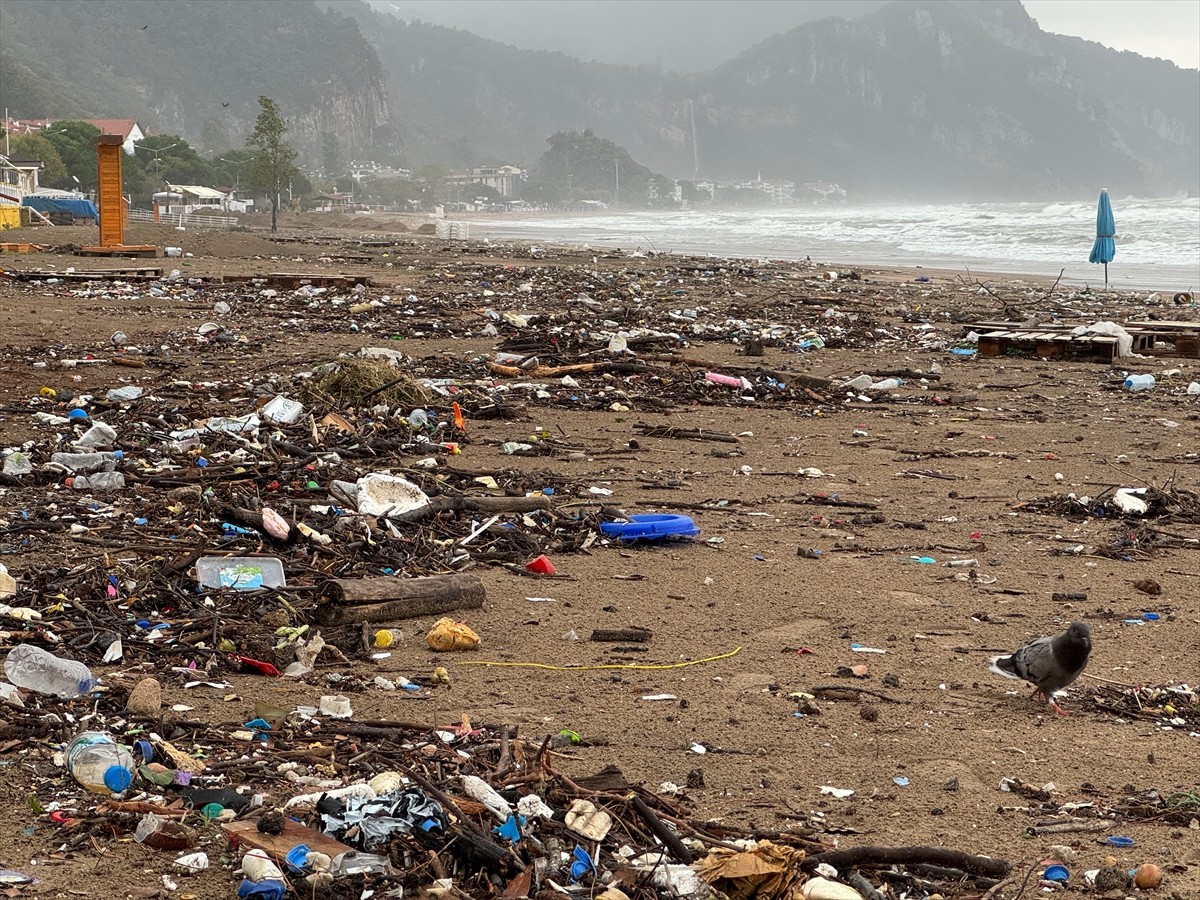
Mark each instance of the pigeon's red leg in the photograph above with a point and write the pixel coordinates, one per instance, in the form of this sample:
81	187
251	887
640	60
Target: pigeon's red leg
1058	709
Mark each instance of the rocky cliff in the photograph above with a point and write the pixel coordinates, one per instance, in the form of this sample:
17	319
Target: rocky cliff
920	99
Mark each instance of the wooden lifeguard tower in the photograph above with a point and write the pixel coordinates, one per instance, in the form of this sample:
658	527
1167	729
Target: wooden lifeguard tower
114	215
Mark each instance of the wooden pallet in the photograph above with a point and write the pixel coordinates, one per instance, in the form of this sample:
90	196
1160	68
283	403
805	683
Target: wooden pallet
139	251
8	247
1056	340
1050	344
1185	336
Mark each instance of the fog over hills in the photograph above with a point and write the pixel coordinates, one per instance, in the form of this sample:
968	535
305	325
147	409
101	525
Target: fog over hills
912	99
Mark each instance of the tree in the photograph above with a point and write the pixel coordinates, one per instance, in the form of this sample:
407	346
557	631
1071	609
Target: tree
331	155
76	144
35	146
274	158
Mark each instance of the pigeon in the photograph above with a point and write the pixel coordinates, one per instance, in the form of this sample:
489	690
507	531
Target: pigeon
1049	663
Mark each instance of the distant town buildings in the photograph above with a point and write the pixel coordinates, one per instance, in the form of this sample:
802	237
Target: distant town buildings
504	180
360	169
131	134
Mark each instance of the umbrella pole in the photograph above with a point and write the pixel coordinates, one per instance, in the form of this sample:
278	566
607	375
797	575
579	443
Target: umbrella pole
1106	276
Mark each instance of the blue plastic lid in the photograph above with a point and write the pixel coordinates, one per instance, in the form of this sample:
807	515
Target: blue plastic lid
297	857
1056	873
1117	840
117	779
77	414
650	527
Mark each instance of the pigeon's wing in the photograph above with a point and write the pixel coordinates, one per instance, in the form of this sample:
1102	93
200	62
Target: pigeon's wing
1037	664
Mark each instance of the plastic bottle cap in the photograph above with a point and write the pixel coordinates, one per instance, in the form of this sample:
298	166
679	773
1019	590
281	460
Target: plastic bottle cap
1056	873
117	778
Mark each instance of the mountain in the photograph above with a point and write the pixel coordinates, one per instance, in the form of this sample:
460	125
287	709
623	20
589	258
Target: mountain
174	66
667	33
958	97
930	99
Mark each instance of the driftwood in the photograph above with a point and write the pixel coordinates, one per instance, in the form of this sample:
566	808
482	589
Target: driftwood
621	635
383	598
695	434
575	369
439	505
889	856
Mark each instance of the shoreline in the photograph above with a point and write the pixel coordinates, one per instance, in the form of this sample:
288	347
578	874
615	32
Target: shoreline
1159	250
312	233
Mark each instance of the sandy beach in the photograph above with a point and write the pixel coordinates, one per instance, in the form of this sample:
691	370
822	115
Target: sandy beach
858	667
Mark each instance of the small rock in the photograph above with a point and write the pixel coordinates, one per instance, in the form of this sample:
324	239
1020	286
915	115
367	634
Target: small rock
271	822
145	699
1110	878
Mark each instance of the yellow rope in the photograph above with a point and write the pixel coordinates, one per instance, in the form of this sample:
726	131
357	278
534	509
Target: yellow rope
531	665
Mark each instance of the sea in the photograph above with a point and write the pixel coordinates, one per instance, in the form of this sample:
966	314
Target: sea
1157	241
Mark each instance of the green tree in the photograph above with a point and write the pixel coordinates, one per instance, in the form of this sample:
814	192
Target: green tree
331	155
35	146
76	144
274	159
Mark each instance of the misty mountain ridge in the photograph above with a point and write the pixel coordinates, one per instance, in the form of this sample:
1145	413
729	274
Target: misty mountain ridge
918	99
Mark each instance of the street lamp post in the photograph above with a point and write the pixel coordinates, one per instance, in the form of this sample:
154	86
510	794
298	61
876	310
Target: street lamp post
156	151
237	170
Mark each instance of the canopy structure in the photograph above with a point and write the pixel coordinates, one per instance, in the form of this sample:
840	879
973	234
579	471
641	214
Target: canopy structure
75	207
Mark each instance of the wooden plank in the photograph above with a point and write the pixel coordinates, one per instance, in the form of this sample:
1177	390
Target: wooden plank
246	836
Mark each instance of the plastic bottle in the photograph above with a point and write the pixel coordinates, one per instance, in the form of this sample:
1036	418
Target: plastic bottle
1139	382
30	667
100	764
887	384
88	462
98	481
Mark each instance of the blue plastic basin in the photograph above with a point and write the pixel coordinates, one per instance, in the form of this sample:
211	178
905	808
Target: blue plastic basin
650	527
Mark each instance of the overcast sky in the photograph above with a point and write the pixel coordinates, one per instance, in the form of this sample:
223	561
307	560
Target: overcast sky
1169	29
694	35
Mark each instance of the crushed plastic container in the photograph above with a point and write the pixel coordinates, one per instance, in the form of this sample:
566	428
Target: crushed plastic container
241	573
383	495
282	411
651	527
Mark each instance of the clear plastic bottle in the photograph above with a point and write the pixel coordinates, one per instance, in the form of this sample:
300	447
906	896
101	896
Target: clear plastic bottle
99	763
88	462
98	481
1139	382
29	666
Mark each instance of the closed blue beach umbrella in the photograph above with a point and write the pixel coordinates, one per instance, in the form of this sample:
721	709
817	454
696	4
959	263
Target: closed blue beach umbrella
1104	249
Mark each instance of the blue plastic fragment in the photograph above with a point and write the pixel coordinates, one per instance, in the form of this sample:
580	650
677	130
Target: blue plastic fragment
1118	840
271	889
582	864
511	829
